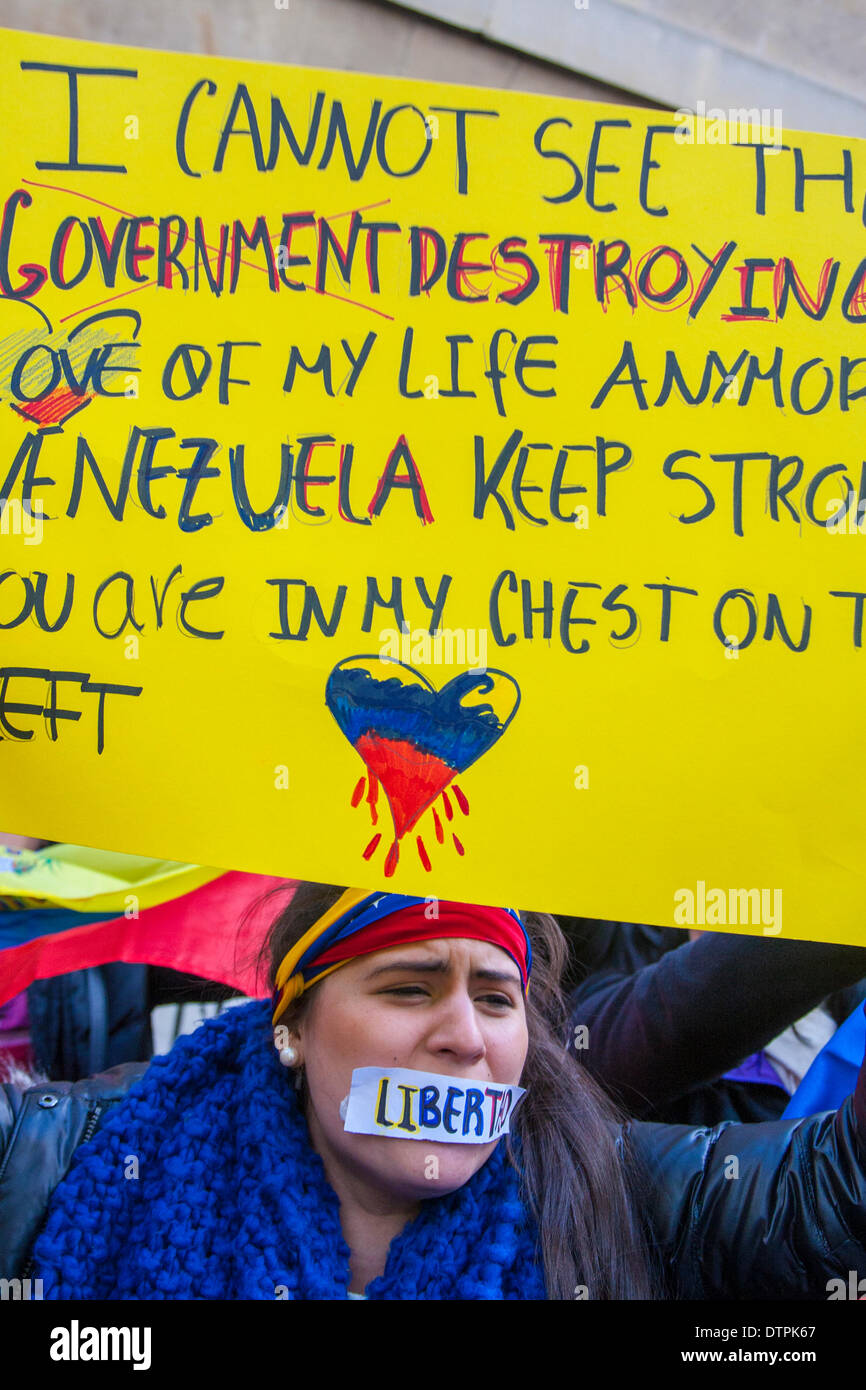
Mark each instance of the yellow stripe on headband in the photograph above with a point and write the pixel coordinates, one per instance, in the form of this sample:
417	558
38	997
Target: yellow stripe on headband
295	987
292	987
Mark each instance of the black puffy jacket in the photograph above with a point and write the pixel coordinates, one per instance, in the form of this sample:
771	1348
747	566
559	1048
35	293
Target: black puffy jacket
739	1211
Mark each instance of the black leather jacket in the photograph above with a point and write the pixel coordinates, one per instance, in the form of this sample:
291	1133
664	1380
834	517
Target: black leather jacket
771	1210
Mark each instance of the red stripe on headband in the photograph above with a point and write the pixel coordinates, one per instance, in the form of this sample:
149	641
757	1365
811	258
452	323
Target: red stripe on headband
410	924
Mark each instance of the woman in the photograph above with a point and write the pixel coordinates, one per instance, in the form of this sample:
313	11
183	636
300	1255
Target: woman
217	1177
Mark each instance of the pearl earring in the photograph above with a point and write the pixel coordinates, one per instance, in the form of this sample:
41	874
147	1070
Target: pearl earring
288	1056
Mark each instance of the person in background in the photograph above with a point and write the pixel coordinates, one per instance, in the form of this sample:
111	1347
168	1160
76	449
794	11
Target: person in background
717	1027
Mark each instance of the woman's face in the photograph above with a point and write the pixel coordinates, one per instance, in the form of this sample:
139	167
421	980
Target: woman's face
450	1006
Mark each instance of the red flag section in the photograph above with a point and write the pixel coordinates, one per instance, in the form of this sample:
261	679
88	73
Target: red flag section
214	932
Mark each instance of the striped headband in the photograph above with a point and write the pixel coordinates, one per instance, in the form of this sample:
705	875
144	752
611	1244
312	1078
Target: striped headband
360	923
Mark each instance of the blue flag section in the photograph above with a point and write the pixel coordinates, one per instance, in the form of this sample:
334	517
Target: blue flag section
833	1074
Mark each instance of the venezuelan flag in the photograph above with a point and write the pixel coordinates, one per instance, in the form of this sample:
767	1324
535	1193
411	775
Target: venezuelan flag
66	908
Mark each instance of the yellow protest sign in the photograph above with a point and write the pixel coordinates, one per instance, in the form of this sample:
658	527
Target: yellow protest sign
430	485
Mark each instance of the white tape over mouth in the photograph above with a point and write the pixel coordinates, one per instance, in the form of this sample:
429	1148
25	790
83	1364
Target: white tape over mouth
399	1103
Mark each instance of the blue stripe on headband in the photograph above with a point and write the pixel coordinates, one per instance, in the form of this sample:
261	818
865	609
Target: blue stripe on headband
372	909
368	910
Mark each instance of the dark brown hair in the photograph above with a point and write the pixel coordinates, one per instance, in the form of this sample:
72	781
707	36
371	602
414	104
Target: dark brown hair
575	1177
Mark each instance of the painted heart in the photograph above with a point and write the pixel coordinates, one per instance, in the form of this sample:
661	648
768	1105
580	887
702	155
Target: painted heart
414	739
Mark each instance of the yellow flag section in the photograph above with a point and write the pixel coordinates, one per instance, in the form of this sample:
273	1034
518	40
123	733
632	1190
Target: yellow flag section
89	880
427	486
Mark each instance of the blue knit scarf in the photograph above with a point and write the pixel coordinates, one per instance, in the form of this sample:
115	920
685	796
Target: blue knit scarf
231	1201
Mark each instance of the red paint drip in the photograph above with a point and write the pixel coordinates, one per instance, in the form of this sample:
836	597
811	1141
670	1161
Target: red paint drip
457	845
371	848
422	853
391	861
448	811
372	796
461	799
440	833
359	791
